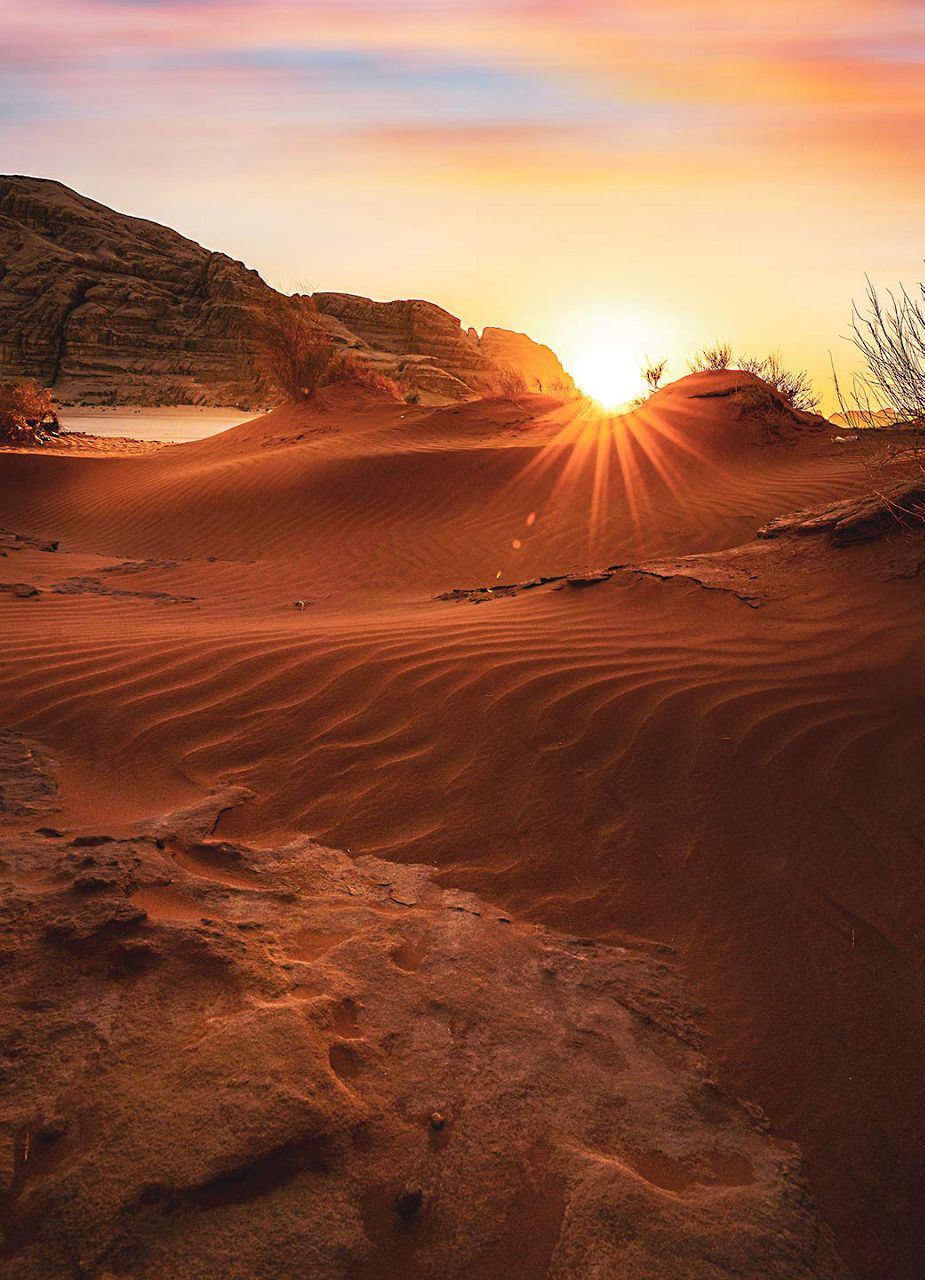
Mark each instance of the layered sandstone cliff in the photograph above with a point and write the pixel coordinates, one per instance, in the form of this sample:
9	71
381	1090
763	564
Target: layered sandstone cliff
106	307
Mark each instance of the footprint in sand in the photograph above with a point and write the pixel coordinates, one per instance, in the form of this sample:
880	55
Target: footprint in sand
408	955
346	1020
345	1062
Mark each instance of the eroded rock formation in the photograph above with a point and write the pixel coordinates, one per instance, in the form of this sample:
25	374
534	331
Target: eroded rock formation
109	308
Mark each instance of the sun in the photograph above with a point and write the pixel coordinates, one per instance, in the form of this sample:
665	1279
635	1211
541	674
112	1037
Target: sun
608	374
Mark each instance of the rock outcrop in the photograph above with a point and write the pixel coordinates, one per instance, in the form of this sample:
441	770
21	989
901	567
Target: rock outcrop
539	366
104	306
109	308
442	356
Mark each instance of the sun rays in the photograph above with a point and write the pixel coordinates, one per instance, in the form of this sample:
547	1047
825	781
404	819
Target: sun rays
620	467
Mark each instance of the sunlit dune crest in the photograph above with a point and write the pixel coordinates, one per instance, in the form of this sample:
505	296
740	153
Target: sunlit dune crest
666	450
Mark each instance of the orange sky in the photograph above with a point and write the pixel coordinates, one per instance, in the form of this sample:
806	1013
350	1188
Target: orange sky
650	175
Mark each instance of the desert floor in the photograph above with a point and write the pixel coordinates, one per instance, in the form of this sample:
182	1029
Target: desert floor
716	746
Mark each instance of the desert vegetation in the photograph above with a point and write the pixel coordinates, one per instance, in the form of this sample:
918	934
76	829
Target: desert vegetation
889	335
889	394
293	348
299	358
653	371
713	358
511	382
795	386
347	368
27	414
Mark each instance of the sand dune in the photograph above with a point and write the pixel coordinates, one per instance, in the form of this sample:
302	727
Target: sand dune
721	754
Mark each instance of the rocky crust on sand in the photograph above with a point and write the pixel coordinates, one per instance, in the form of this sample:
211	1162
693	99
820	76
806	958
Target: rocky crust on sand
895	505
893	517
108	308
225	1061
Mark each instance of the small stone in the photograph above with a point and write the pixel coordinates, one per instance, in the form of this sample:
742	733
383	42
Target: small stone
437	1121
409	1202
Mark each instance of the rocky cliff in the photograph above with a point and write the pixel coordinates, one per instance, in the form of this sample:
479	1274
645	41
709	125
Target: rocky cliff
106	307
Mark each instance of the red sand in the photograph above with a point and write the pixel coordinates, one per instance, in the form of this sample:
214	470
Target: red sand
631	759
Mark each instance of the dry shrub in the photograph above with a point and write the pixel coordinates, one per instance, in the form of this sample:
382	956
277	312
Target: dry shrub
510	381
889	395
27	414
714	358
890	337
348	369
293	347
795	388
653	371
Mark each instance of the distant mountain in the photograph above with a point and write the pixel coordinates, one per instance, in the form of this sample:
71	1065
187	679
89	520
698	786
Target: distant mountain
862	418
107	308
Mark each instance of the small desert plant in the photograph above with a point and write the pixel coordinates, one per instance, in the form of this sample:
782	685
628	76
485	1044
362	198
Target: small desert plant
27	414
795	388
714	358
293	347
653	371
890	337
890	393
348	368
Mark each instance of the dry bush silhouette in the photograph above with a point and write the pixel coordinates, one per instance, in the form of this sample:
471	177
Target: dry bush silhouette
888	396
293	347
713	358
653	371
890	338
27	414
795	387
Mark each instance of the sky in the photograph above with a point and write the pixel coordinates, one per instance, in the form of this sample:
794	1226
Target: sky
646	176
